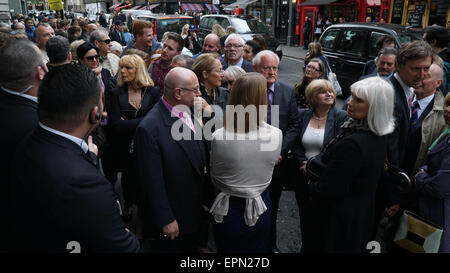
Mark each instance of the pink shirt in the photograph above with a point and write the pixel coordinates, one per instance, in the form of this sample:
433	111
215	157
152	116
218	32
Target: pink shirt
183	115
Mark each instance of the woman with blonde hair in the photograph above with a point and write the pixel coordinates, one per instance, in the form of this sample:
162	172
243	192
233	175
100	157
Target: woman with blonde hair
130	102
218	30
243	155
184	31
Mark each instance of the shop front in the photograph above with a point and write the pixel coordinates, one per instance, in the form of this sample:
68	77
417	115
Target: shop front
420	14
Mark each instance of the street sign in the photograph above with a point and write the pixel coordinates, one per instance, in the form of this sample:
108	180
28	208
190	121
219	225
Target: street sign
216	2
55	4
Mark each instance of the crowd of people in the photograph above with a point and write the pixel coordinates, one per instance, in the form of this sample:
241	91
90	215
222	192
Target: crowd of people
76	113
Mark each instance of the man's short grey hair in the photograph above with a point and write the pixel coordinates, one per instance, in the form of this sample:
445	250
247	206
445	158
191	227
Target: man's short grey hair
234	36
96	35
380	95
188	60
233	72
19	60
387	51
116	46
57	48
257	59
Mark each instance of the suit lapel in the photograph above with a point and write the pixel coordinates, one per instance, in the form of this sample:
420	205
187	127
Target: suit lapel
329	126
277	93
191	147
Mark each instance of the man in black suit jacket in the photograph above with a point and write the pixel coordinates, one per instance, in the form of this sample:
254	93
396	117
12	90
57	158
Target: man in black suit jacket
59	199
234	52
266	62
21	71
116	34
171	166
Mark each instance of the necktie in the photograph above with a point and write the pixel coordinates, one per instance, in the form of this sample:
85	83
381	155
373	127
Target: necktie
269	105
414	112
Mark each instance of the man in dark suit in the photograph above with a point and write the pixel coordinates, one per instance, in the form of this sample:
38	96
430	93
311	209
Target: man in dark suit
116	34
234	52
286	118
171	165
21	71
211	44
59	199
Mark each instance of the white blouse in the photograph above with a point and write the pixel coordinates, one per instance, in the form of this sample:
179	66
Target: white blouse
242	166
312	141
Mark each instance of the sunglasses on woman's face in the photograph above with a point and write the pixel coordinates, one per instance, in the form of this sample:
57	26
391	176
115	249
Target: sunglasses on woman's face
91	58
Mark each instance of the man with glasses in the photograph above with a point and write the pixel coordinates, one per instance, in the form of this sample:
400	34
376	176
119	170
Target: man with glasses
21	72
234	53
170	166
278	94
108	60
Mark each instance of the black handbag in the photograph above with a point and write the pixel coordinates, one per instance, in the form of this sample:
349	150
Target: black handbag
315	167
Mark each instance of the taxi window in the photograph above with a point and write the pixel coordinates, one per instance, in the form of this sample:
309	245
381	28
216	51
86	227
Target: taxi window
328	40
354	42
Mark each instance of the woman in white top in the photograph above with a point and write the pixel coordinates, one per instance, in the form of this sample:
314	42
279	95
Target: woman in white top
243	155
318	125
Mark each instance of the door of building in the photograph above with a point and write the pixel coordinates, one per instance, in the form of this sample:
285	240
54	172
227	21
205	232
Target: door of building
311	13
283	25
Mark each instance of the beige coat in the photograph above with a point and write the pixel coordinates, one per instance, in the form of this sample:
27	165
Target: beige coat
111	63
432	126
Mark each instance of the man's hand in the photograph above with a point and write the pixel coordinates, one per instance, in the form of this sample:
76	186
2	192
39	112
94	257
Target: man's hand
392	210
303	168
171	230
92	147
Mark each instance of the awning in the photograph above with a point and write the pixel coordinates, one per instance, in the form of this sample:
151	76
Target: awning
192	7
116	5
150	7
212	8
242	4
137	7
123	7
317	2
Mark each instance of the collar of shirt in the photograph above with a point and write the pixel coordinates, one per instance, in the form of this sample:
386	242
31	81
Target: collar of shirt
35	99
175	112
272	88
80	142
423	103
409	91
238	63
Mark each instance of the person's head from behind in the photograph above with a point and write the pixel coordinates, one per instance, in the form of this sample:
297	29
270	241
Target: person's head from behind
260	40
88	55
373	99
386	61
172	46
181	87
430	84
91	28
183	60
368	19
447	109
231	74
73	49
314	49
385	41
132	72
266	63
320	94
208	69
22	66
42	33
145	56
19	26
116	48
437	37
70	99
251	48
58	50
315	69
218	30
249	90
413	61
143	33
211	44
74	33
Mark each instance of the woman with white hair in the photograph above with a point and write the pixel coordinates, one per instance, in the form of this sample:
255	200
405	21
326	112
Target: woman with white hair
345	192
231	74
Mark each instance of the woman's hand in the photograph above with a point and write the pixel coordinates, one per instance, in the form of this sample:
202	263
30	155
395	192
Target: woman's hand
303	167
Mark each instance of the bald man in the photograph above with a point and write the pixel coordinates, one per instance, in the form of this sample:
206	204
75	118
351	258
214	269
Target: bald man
91	28
428	122
211	44
43	32
171	166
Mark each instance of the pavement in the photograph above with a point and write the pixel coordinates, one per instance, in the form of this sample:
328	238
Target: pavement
296	52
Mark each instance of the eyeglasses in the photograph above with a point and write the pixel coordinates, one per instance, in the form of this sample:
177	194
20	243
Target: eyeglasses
91	58
313	68
220	71
267	68
107	41
235	46
196	90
